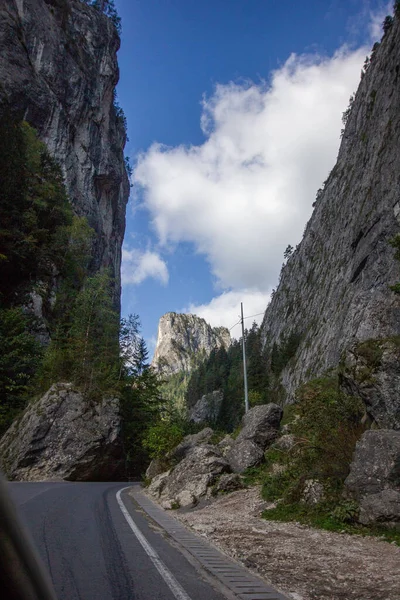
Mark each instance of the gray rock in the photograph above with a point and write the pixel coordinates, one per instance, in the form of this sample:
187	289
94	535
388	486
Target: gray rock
156	467
158	483
259	429
285	442
194	474
334	288
383	507
244	454
189	442
229	482
313	492
226	444
183	340
372	373
185	498
374	479
260	425
64	436
206	410
59	70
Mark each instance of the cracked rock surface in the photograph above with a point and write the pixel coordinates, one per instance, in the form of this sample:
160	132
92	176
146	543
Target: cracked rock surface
64	436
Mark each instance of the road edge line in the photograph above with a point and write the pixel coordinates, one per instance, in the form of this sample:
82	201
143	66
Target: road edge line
170	580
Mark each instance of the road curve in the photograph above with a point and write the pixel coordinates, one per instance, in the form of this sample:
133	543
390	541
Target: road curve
91	552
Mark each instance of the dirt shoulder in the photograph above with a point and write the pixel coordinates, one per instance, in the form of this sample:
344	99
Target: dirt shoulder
305	563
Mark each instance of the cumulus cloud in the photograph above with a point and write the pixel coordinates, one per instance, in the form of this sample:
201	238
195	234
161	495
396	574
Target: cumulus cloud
138	266
225	309
247	191
376	19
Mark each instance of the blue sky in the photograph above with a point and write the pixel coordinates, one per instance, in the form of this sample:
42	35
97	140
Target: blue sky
234	116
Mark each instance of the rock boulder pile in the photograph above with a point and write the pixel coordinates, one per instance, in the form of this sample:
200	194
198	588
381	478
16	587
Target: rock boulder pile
202	469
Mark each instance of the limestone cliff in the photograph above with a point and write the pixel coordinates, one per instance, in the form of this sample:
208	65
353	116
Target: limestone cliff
184	339
58	71
334	290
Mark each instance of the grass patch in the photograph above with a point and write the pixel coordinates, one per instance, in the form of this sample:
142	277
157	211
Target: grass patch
289	413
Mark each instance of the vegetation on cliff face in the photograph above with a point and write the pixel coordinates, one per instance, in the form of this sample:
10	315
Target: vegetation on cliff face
44	261
107	7
36	227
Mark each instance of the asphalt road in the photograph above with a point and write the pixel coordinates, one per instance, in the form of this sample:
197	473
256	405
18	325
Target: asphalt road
91	551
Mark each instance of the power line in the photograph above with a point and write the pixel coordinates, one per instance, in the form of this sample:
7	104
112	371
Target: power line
257	315
249	317
230	329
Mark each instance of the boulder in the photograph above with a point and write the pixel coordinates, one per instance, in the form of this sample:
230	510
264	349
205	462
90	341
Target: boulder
374	479
226	444
228	482
189	442
260	424
244	454
158	483
260	427
64	436
156	467
190	479
372	373
206	410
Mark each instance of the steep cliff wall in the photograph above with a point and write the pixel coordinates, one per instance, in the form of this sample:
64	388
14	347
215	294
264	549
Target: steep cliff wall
58	71
184	338
334	291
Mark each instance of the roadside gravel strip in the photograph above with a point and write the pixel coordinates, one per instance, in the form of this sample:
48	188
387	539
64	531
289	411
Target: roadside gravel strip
305	563
232	575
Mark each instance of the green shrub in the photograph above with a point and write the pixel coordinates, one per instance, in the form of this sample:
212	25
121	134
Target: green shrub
159	439
326	425
346	512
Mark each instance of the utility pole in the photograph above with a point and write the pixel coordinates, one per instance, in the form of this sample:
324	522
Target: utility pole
246	393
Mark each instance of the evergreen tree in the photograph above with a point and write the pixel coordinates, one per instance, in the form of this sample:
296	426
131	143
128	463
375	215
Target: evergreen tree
34	211
19	359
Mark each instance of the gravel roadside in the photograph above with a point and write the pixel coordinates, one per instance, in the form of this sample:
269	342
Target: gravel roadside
308	564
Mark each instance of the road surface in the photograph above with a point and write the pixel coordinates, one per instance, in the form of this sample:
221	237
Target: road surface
91	551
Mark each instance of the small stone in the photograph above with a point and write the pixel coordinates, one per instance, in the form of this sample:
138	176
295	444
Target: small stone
313	492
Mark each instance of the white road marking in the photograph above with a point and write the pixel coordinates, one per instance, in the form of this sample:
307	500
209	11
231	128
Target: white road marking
165	573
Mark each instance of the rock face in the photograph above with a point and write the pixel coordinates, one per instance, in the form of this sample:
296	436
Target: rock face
58	71
374	479
185	339
63	436
334	290
372	373
259	429
206	410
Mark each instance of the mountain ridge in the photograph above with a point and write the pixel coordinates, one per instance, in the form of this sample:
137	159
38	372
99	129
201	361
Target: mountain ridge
184	339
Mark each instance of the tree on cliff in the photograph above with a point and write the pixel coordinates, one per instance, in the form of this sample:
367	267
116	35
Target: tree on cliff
108	8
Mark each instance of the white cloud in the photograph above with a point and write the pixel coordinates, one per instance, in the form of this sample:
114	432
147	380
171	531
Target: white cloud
138	266
225	309
247	191
377	18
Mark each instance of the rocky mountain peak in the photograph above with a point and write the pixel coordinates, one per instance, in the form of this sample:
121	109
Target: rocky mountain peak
184	339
